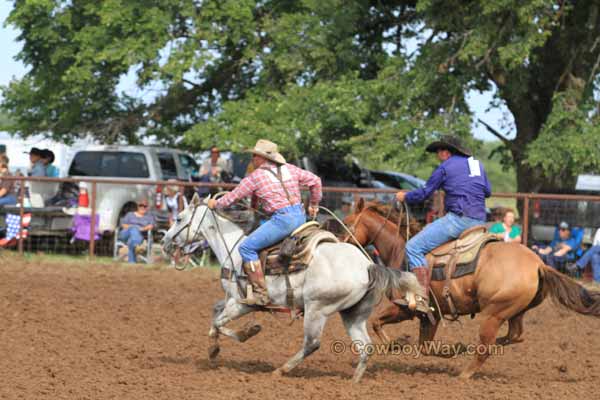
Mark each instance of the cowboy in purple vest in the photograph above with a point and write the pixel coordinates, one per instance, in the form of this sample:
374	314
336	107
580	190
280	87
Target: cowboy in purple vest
466	187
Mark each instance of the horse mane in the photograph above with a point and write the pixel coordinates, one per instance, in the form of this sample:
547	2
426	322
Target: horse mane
393	215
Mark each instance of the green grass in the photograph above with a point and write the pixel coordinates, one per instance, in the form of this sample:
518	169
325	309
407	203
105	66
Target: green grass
83	260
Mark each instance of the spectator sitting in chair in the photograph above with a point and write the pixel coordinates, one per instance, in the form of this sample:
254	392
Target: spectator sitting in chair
564	248
133	224
592	255
506	229
7	192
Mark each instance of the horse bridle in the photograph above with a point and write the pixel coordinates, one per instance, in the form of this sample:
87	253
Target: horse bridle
197	232
352	228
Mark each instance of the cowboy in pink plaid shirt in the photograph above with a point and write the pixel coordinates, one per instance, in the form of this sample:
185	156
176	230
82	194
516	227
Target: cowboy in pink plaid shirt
276	184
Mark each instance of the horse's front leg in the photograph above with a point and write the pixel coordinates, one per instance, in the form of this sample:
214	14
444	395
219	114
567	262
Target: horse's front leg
225	312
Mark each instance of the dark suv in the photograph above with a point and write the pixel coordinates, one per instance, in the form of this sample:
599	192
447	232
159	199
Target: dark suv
338	172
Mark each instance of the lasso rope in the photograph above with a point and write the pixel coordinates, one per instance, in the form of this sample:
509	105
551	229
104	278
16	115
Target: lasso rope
348	231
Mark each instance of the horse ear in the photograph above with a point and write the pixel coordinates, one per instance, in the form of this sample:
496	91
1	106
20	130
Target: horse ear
360	205
196	200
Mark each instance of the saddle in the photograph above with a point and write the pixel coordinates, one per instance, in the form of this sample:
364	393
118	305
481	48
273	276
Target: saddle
462	251
295	252
458	258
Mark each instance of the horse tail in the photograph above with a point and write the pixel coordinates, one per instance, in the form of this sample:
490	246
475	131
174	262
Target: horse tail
566	292
383	281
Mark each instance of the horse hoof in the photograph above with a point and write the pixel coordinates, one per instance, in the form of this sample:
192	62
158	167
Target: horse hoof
278	373
213	351
503	341
248	332
253	331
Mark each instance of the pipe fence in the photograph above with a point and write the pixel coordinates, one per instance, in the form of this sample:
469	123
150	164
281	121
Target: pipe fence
49	228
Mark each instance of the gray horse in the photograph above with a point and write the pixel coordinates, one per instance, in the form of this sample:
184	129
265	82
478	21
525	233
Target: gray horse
339	278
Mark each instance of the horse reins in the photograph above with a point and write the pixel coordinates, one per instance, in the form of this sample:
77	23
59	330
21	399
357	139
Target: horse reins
379	230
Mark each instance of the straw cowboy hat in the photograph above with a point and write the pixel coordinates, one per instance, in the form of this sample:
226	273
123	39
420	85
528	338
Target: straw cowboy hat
268	150
452	143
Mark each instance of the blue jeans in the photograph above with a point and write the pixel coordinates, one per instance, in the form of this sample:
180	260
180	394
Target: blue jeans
283	222
8	200
553	261
593	256
133	237
435	234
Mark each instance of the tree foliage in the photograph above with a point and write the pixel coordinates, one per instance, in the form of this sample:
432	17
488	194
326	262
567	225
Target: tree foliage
372	78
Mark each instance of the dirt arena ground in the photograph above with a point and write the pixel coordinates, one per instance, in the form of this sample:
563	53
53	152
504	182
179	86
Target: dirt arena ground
86	331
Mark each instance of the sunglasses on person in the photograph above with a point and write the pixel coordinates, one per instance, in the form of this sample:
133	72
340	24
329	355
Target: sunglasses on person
143	205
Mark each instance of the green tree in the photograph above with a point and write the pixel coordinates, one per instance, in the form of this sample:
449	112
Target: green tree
372	78
543	58
5	122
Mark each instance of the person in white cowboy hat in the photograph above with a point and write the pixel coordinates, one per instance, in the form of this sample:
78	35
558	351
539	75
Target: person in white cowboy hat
276	185
466	186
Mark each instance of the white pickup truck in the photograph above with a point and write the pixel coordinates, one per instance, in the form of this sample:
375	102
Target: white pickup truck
113	200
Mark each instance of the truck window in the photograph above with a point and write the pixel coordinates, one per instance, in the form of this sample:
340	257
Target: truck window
188	164
167	166
116	164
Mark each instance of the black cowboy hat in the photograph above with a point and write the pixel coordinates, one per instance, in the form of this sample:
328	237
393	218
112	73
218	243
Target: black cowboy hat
48	155
35	151
452	143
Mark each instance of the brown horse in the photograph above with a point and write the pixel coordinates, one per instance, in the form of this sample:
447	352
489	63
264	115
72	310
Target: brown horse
509	280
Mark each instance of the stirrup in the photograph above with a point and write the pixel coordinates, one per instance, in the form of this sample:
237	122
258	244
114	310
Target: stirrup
425	310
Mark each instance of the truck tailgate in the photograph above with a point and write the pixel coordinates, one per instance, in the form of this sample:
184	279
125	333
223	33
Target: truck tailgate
44	221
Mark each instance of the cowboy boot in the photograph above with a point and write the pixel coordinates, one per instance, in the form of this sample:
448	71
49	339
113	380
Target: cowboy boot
257	290
422	274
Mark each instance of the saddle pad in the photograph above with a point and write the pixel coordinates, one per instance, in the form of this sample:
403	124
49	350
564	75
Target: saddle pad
439	274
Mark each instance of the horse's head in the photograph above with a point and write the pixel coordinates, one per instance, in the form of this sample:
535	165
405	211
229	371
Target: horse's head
187	225
371	221
357	224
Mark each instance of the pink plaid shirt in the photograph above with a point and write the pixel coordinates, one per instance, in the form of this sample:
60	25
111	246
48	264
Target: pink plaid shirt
269	191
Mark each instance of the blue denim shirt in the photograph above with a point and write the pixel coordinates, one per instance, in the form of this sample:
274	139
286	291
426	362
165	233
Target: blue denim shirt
38	169
52	171
465	194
